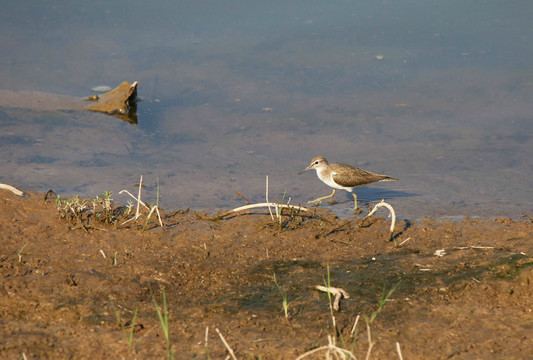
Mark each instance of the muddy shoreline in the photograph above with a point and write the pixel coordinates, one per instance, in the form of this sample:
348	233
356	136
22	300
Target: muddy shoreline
463	287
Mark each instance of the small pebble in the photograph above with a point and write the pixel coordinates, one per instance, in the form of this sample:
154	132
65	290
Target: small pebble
380	57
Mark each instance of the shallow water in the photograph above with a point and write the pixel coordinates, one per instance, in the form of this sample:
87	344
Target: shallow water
235	91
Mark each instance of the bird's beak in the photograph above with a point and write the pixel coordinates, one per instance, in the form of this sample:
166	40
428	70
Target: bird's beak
304	170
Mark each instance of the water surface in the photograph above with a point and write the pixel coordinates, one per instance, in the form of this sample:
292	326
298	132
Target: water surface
438	94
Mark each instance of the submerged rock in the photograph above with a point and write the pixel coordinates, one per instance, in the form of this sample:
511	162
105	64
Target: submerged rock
119	102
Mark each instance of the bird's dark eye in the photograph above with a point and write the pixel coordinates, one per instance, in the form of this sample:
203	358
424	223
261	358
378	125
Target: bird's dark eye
316	162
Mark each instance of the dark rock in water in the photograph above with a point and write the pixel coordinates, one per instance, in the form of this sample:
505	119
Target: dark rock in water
119	102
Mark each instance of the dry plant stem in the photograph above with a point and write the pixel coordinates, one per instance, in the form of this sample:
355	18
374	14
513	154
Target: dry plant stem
158	215
354	327
252	206
403	242
474	247
391	209
139	203
370	343
206	339
139	197
382	203
331	349
267	201
399	351
347	222
337	292
284	206
242	196
226	344
136	199
267	204
13	189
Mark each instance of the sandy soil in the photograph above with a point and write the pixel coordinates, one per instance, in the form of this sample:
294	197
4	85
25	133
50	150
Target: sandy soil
67	282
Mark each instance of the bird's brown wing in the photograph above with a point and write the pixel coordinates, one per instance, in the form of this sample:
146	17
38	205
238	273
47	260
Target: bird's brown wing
350	176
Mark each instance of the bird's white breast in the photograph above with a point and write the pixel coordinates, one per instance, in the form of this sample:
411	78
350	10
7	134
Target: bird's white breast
327	178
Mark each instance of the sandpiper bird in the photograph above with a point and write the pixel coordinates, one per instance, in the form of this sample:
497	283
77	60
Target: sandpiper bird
342	177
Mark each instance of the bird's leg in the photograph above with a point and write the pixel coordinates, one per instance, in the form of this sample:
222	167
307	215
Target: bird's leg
317	201
355	200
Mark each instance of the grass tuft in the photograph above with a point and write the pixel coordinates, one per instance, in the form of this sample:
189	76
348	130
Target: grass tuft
162	314
285	302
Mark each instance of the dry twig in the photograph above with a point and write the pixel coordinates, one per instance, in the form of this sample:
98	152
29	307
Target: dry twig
382	203
332	351
13	189
226	344
267	204
337	292
139	203
399	350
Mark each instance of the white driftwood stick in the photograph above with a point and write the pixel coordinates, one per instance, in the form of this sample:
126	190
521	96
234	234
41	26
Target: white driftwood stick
337	292
268	204
391	209
13	189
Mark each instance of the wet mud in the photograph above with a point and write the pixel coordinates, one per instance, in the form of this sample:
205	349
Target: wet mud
80	288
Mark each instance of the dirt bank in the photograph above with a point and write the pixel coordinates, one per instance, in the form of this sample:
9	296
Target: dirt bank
65	286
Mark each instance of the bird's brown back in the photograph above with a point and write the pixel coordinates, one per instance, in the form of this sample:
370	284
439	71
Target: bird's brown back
351	176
